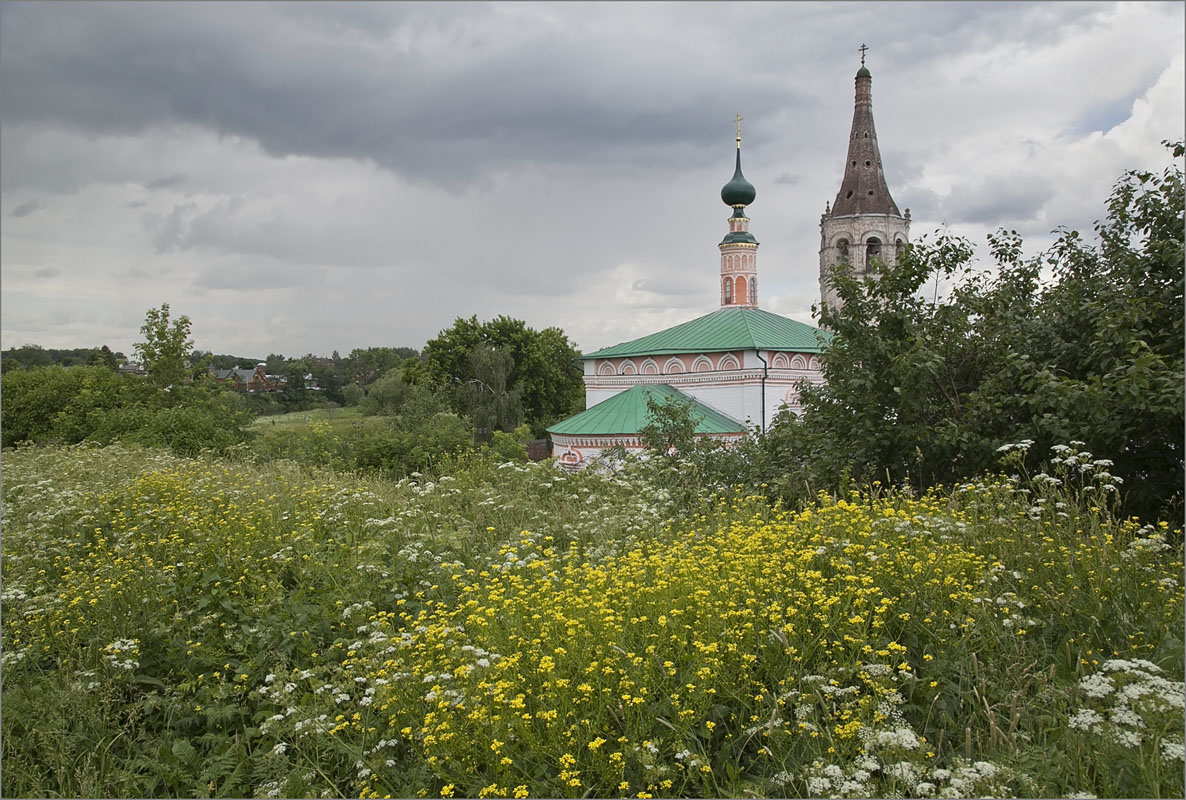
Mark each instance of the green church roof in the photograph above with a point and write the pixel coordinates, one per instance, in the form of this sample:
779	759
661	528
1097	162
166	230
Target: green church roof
734	328
627	412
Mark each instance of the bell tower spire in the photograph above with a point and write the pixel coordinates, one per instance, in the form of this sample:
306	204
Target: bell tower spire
739	248
862	230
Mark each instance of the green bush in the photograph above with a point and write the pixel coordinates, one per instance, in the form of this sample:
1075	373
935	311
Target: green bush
68	405
64	404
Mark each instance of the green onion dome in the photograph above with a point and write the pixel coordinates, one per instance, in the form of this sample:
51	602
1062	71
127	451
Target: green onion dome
738	191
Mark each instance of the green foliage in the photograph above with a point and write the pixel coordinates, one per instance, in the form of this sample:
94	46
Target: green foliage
102	357
392	395
926	392
26	357
165	351
365	366
223	361
685	466
178	627
205	418
504	447
353	394
401	447
491	402
671	426
32	355
317	444
543	365
69	405
393	447
66	404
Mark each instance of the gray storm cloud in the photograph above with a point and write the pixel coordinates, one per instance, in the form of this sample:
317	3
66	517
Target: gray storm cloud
378	169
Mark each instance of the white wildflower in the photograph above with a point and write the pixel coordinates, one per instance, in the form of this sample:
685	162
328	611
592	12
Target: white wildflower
819	787
1123	715
1173	750
1096	685
1126	738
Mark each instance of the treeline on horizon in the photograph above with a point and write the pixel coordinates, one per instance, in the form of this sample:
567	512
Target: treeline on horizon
448	361
332	373
476	385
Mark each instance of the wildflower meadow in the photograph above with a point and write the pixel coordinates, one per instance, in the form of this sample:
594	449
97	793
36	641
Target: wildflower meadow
222	627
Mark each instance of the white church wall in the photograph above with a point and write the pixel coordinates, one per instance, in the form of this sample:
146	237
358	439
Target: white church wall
735	391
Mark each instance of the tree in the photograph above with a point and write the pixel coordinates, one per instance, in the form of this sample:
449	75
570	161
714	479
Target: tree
928	391
488	397
364	366
103	357
392	396
166	349
274	364
26	357
670	427
294	371
353	394
328	375
224	361
544	365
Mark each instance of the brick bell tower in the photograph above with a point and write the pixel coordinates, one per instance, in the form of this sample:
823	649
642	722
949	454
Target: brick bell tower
739	248
863	229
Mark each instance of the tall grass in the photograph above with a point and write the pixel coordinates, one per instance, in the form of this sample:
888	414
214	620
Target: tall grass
210	627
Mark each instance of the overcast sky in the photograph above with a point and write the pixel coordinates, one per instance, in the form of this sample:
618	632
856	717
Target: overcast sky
308	177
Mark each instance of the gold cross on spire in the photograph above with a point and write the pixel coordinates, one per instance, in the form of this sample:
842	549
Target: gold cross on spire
863	48
738	120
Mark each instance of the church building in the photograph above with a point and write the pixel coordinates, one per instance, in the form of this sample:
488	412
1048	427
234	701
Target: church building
739	365
863	226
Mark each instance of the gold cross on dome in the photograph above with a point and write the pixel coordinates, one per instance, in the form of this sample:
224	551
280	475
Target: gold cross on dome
738	120
863	48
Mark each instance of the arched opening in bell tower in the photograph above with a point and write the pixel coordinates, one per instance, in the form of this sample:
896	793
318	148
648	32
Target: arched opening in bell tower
872	252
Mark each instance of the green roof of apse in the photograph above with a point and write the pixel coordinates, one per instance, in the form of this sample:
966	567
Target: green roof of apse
627	412
733	328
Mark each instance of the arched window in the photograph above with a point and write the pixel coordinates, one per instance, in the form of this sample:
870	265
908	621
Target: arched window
872	252
728	291
899	249
842	252
753	291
